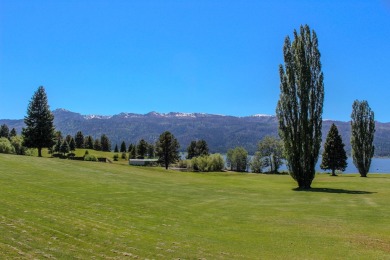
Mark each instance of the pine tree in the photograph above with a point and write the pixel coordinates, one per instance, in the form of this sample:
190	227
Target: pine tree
131	146
72	145
362	136
97	145
133	152
13	133
88	142
142	149
151	151
334	156
39	131
64	147
167	148
105	143
299	108
4	131
116	150
79	139
123	147
191	150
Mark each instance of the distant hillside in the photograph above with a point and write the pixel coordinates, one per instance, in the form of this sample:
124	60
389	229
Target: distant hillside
220	132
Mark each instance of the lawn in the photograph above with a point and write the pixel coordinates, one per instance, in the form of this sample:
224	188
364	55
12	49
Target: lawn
55	208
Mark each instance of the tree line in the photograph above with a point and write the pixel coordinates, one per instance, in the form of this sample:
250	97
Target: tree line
299	112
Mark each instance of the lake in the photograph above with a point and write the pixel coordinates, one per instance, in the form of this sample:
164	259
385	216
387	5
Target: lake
378	165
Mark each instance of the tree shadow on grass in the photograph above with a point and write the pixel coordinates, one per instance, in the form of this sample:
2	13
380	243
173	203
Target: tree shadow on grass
330	190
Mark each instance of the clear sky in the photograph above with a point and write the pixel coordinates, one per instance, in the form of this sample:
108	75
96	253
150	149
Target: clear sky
220	57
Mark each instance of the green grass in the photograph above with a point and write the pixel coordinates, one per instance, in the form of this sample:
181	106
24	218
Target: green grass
73	209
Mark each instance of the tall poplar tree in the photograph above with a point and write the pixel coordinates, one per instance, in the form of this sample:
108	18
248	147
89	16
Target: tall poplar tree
334	156
299	109
362	136
39	131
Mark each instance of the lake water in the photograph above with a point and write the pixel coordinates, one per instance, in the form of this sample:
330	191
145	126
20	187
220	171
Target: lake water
378	165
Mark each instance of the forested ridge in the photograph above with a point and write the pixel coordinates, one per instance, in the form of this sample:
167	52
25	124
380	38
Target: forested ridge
221	132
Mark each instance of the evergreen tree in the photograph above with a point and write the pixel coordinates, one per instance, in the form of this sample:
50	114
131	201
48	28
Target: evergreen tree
68	138
13	133
133	152
362	136
142	149
64	147
131	146
197	148
79	140
4	131
105	143
334	156
167	148
202	148
97	145
88	142
72	145
116	150
151	151
123	147
39	131
191	150
299	108
57	146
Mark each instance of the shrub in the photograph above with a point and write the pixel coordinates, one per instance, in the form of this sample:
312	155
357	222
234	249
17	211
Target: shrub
207	163
91	158
217	163
6	146
124	156
17	143
116	156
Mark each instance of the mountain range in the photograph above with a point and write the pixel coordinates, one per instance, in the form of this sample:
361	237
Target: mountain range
221	132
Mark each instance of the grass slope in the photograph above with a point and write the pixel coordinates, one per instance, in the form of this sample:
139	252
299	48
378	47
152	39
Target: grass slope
74	209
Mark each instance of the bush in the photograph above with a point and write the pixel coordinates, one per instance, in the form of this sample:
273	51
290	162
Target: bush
91	158
207	163
17	143
70	155
217	163
124	156
116	156
31	152
6	146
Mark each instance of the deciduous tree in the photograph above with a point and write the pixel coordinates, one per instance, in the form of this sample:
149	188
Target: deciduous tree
237	158
362	136
271	149
300	105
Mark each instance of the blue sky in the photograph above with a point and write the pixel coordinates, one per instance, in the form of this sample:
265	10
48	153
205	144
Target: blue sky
221	57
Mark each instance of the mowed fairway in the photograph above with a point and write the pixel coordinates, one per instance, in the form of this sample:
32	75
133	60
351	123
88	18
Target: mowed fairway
53	208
